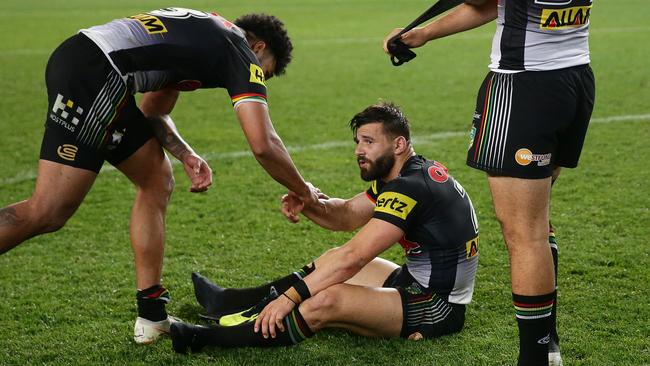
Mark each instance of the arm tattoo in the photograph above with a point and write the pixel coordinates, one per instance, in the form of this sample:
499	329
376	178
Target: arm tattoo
169	138
8	217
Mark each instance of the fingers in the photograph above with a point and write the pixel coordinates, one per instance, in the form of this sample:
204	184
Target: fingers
272	316
199	172
291	207
389	36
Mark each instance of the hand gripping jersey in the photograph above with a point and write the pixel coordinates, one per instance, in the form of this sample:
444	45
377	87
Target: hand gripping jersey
183	49
439	224
540	35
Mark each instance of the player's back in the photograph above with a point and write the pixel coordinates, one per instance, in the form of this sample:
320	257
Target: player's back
184	48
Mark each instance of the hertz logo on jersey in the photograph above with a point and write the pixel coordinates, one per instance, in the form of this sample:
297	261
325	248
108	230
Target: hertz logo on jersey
150	23
257	75
574	17
395	204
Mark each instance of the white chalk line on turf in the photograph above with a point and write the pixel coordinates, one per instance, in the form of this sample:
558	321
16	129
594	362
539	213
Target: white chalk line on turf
417	140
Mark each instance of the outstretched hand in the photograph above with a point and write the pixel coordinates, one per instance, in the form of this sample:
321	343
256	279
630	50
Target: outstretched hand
198	171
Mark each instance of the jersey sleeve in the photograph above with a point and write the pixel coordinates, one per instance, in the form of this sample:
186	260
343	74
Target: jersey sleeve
372	192
244	78
397	204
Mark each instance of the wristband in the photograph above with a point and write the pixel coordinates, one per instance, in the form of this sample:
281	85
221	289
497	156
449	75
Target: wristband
290	299
292	294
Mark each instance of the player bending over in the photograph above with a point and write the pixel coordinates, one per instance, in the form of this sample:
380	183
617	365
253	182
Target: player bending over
412	201
93	117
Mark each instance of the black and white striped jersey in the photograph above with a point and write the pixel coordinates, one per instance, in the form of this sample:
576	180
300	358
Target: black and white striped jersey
539	35
439	223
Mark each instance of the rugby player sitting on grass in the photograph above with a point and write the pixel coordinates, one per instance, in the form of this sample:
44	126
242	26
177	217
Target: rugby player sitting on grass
413	201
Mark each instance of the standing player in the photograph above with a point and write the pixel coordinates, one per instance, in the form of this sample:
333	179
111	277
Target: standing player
531	118
92	117
413	201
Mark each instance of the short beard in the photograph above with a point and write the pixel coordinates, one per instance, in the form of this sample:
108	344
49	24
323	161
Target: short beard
379	168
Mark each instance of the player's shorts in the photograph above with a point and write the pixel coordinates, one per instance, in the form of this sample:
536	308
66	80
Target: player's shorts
424	311
528	123
92	116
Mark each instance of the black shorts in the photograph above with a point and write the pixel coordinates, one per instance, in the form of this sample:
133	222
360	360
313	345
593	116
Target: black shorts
92	116
527	123
424	311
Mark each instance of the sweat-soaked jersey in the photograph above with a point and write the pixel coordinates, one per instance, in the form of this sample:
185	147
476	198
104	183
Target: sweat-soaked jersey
439	223
184	49
540	35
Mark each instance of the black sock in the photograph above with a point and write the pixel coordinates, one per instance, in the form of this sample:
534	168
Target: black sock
534	321
296	330
555	339
151	303
218	300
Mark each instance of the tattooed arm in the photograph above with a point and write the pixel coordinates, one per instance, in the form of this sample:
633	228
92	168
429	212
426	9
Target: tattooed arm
156	106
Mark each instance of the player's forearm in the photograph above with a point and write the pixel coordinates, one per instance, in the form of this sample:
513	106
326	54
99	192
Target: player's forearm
167	135
275	159
336	266
330	215
464	17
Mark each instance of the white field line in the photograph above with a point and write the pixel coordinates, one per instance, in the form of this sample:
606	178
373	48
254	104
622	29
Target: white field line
341	40
417	140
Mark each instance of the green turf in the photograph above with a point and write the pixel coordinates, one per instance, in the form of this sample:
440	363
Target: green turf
68	298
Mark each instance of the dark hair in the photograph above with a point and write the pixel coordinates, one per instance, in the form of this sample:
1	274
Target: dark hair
271	30
388	114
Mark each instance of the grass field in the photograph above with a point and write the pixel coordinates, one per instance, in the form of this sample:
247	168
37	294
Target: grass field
68	298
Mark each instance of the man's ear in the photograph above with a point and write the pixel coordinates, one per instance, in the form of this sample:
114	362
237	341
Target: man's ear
259	46
400	145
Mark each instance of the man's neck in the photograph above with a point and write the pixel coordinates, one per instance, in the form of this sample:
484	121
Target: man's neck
400	160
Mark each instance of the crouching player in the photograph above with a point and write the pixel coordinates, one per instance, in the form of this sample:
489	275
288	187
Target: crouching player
412	201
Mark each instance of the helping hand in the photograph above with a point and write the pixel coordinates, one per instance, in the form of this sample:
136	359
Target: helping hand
293	204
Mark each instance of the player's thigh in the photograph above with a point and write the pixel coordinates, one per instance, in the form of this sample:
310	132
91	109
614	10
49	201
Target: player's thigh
60	189
373	274
521	205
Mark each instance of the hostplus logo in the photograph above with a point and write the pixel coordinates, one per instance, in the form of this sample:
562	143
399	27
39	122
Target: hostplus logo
65	114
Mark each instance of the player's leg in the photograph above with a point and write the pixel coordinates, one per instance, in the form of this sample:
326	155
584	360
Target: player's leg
67	169
217	300
367	311
150	171
59	191
521	207
554	345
